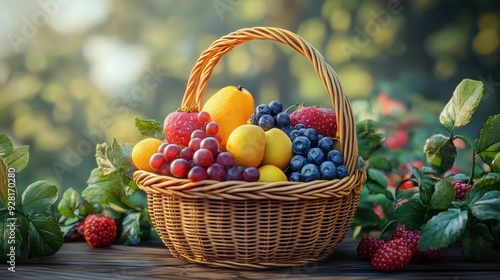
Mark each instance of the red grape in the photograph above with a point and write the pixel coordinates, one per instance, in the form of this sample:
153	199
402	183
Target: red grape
161	149
171	152
235	173
203	157
197	173
179	168
212	128
194	144
165	169
203	117
226	159
217	137
216	172
186	153
156	161
251	174
198	133
211	144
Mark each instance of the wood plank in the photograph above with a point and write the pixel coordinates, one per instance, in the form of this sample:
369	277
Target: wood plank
79	261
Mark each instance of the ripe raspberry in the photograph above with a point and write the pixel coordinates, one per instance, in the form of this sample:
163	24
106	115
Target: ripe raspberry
323	120
462	189
410	238
98	230
368	245
393	255
431	255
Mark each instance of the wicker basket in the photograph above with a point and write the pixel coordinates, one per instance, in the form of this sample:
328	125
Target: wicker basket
252	225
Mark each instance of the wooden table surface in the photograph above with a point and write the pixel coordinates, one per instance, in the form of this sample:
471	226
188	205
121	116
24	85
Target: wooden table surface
154	261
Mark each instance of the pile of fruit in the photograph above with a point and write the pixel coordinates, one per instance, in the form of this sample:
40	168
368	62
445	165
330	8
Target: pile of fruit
232	139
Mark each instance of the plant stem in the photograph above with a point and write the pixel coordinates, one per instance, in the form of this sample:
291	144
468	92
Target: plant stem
473	167
386	227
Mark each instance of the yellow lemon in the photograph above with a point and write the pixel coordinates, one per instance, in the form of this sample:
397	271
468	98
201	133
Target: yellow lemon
278	150
247	144
142	152
271	173
230	107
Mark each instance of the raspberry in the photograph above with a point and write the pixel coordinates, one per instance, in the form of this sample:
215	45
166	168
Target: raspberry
368	245
98	230
410	238
462	189
431	255
393	255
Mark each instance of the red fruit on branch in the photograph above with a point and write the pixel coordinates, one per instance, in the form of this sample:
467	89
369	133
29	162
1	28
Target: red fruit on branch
179	125
462	188
323	120
393	255
368	245
410	238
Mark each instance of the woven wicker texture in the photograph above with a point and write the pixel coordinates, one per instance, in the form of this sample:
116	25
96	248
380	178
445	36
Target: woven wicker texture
253	225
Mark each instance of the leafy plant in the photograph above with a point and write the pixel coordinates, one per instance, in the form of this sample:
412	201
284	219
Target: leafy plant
28	223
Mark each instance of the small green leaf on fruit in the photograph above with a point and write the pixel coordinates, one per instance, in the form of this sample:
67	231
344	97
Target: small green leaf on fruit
39	197
463	105
443	229
488	145
443	196
477	242
150	128
440	152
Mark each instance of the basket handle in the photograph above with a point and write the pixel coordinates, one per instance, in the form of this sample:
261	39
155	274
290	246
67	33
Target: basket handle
202	70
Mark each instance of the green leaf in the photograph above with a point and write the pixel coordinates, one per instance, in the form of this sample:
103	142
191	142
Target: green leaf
45	237
369	140
6	147
11	238
477	242
495	164
440	152
488	145
381	163
365	216
425	184
104	164
102	192
150	128
443	229
411	213
121	156
18	159
70	201
489	182
4	184
376	183
458	177
39	197
495	230
487	207
463	105
443	196
131	233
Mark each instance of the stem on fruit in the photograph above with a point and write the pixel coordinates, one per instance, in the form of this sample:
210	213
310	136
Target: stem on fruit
386	227
239	87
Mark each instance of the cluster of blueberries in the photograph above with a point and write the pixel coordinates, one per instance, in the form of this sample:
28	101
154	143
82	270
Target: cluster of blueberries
271	115
314	157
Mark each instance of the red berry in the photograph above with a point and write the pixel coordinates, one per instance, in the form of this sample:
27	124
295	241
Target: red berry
203	116
323	120
203	158
368	245
462	188
211	144
212	128
179	125
156	161
391	256
98	230
410	238
171	152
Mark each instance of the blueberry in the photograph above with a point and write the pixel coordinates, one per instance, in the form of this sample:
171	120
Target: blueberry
301	145
295	177
266	122
261	110
287	129
341	171
315	156
310	172
302	131
297	162
299	126
276	107
253	119
282	120
312	135
325	144
328	170
336	157
293	134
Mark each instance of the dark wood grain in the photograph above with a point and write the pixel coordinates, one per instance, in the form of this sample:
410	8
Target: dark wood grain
154	261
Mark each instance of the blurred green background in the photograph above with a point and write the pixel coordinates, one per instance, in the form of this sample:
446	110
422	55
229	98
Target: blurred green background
76	73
